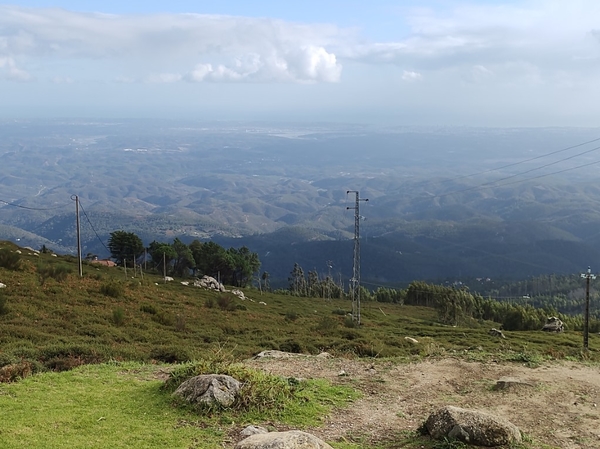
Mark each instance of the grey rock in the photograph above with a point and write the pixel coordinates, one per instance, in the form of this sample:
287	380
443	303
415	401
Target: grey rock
473	427
553	324
293	439
209	389
253	430
496	333
511	383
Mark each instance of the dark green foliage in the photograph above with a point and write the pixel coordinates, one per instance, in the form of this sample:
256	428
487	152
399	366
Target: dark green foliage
113	289
58	272
209	302
124	246
170	354
148	308
10	260
3	304
291	346
162	254
226	303
164	318
184	259
236	266
291	315
180	323
118	316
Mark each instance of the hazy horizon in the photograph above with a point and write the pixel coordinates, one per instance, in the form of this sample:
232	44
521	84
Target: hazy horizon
457	63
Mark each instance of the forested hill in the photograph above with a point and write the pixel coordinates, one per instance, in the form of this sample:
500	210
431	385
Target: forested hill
444	203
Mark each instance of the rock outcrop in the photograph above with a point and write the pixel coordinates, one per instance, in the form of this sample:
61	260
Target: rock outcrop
293	439
473	427
209	389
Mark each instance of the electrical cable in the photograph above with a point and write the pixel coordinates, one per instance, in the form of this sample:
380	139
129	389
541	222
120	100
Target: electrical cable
33	208
523	161
92	226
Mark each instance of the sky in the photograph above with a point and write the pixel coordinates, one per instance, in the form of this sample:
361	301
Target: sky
413	62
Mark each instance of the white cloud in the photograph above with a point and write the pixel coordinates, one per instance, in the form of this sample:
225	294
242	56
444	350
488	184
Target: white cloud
408	75
155	48
62	80
496	43
164	78
10	71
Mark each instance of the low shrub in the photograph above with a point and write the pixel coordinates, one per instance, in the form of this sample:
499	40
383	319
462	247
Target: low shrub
3	305
9	260
58	272
170	354
148	308
164	318
209	303
118	316
291	316
226	303
291	346
112	289
16	371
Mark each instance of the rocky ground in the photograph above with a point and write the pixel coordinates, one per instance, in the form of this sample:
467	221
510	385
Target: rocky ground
559	407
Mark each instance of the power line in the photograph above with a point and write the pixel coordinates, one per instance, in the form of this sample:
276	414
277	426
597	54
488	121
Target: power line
92	226
523	161
8	203
495	182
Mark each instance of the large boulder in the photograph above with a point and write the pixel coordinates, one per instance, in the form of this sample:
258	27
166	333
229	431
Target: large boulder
209	389
293	439
553	324
473	427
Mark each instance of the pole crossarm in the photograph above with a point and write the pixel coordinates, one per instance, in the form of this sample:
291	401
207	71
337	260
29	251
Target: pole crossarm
355	281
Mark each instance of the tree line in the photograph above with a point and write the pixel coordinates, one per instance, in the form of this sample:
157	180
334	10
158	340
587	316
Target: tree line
234	266
456	306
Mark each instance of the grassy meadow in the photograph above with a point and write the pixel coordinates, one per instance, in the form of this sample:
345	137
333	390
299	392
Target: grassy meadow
80	358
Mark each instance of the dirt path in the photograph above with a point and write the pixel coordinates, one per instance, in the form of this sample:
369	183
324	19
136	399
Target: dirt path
561	409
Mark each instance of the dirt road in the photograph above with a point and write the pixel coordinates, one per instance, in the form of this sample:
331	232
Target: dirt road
560	409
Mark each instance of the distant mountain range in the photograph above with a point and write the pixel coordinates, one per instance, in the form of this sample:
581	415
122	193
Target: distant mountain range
443	202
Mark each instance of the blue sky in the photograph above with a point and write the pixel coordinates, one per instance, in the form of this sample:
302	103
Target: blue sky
466	63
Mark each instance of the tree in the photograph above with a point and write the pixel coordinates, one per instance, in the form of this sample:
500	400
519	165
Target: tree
183	260
244	264
297	281
161	253
124	246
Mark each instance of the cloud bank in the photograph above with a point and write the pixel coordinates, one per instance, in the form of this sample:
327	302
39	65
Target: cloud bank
171	47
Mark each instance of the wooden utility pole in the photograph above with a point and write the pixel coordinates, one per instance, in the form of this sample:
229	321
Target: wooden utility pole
76	199
586	324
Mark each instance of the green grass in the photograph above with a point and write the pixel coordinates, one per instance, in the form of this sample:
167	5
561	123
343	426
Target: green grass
123	405
96	406
105	315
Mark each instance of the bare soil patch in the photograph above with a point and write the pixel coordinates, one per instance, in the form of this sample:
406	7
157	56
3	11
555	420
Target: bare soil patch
559	409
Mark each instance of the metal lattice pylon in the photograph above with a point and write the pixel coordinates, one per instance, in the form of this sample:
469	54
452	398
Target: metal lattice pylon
355	281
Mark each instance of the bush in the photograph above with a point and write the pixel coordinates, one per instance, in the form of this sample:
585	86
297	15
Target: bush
209	303
164	318
15	371
291	316
148	308
10	260
180	323
291	346
112	289
57	272
118	316
3	306
170	354
260	392
226	303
